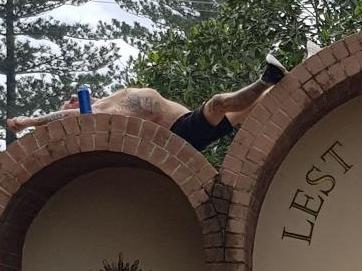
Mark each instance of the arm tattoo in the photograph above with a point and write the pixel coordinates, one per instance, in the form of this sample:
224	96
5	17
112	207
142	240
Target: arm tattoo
141	104
148	104
134	103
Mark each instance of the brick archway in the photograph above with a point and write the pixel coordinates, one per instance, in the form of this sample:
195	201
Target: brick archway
305	95
227	208
36	166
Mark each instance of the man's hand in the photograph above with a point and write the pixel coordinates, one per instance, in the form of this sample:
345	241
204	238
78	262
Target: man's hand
72	103
18	124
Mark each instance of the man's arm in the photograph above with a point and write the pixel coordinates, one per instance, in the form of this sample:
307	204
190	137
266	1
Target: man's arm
42	120
20	123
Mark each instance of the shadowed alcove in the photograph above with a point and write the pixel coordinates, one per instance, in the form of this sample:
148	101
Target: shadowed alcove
91	206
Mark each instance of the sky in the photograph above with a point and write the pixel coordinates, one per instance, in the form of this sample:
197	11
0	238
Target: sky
91	13
99	10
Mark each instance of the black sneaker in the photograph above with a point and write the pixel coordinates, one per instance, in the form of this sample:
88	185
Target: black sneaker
274	71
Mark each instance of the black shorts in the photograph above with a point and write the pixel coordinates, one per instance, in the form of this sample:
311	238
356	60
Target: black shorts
194	128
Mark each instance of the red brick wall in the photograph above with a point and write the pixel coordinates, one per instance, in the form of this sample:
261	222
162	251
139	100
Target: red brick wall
305	95
74	139
227	205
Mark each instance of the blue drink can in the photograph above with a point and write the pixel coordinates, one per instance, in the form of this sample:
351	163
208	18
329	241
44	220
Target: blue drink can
84	100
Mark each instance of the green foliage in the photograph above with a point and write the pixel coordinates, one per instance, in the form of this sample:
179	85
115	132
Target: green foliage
172	13
227	52
330	21
120	265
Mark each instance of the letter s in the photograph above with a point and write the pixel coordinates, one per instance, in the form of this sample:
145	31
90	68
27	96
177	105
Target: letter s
319	180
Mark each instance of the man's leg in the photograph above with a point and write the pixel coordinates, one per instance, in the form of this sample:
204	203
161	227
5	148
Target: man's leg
238	117
243	100
20	123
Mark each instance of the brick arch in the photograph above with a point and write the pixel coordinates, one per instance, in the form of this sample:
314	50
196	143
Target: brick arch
50	155
311	90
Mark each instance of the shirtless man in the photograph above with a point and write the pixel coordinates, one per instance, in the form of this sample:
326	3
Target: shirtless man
211	121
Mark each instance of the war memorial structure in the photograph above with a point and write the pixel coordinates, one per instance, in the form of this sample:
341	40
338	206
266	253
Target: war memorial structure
287	196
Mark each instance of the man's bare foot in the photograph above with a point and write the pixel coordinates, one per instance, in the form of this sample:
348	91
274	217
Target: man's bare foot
17	124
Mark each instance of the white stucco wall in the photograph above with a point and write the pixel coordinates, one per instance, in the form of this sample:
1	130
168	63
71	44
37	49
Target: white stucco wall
137	212
327	218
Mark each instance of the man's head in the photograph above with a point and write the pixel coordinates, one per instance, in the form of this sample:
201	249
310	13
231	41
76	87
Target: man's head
72	103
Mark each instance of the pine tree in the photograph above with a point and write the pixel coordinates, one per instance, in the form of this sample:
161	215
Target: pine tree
176	14
40	74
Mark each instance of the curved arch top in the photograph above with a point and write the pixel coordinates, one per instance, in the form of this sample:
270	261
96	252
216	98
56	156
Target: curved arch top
306	94
103	132
95	137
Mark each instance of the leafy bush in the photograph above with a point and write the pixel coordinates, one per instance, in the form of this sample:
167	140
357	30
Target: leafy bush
120	265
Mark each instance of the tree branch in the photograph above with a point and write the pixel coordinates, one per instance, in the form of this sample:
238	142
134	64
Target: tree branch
31	34
90	39
49	71
305	8
46	62
317	17
3	125
36	12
